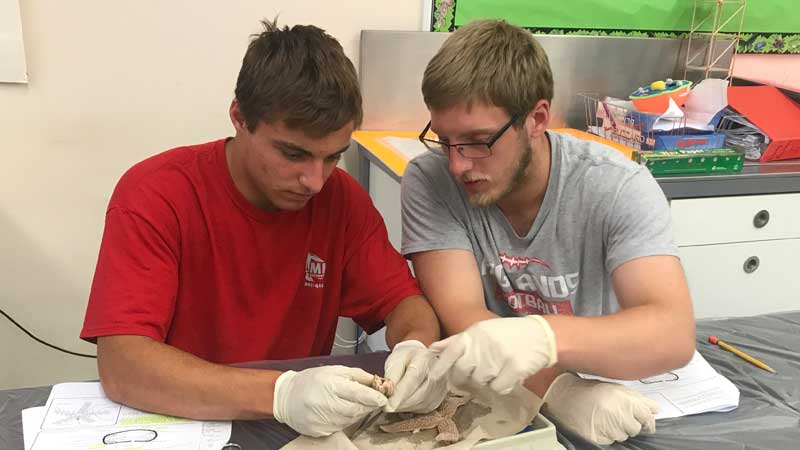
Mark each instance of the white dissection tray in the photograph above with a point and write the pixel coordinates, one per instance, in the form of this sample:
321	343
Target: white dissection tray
541	437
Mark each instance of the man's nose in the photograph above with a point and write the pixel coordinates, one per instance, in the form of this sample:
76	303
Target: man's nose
458	163
313	177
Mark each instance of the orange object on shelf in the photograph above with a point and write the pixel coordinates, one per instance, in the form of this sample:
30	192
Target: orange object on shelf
624	149
775	115
656	100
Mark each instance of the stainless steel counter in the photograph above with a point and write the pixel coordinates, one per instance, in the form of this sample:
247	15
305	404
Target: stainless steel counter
756	178
778	177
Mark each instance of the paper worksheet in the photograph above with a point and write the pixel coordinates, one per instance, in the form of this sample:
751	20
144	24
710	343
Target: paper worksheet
693	389
79	416
408	148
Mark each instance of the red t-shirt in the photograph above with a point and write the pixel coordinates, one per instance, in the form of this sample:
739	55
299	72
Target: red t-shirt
187	260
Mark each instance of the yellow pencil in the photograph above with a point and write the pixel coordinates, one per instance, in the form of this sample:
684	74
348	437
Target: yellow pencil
741	354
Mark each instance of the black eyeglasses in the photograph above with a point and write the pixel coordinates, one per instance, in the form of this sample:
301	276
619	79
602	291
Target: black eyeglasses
469	150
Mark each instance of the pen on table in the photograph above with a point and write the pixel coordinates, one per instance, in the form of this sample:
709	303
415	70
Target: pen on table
741	354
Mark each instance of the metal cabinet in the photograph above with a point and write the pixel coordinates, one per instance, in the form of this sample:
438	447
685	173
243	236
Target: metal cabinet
739	253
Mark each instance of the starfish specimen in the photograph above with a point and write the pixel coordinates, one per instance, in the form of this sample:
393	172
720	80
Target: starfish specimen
382	385
441	419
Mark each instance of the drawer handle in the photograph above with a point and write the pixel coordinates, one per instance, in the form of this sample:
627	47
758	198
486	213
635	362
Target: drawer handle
761	218
751	264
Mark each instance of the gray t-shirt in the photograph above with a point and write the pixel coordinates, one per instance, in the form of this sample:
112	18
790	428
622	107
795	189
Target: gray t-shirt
600	211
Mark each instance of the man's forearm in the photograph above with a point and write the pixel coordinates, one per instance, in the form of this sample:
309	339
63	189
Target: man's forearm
466	319
148	375
634	343
413	318
540	382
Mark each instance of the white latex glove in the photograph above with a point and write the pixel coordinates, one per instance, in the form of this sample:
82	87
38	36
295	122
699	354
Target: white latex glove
323	400
598	411
500	353
408	367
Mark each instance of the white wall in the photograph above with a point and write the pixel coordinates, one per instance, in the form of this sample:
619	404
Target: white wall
110	83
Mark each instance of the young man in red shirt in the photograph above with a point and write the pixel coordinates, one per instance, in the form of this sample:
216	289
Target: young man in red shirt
249	248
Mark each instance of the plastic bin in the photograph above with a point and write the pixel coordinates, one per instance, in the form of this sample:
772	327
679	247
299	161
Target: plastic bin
541	437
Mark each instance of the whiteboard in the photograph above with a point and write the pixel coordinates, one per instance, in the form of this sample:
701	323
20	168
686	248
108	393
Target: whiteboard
12	52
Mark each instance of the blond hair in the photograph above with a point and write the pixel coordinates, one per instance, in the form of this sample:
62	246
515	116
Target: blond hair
492	62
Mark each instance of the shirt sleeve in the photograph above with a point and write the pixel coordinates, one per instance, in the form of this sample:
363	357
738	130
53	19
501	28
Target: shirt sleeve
639	222
135	283
376	277
432	213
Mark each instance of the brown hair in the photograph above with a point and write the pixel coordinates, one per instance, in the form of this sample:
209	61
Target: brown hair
300	76
489	61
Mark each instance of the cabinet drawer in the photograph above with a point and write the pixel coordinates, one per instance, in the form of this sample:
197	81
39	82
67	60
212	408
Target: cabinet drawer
715	220
722	285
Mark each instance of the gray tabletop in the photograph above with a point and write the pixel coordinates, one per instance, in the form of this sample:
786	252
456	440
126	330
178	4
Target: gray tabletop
768	416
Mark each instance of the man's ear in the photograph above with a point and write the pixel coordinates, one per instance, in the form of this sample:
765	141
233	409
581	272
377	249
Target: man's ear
538	119
237	118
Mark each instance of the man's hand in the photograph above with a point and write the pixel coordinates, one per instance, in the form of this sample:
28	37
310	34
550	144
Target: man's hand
598	411
408	367
500	353
323	400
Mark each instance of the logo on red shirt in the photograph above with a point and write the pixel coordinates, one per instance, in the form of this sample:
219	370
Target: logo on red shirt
315	271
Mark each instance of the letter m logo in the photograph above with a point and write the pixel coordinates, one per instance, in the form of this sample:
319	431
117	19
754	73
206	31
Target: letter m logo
315	268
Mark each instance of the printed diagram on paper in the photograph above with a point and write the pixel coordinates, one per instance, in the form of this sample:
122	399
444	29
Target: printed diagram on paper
69	412
78	416
693	389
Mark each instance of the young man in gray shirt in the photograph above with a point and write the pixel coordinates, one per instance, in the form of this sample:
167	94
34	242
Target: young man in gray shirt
541	253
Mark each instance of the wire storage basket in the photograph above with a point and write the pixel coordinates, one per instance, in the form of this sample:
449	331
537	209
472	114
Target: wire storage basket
663	143
617	120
